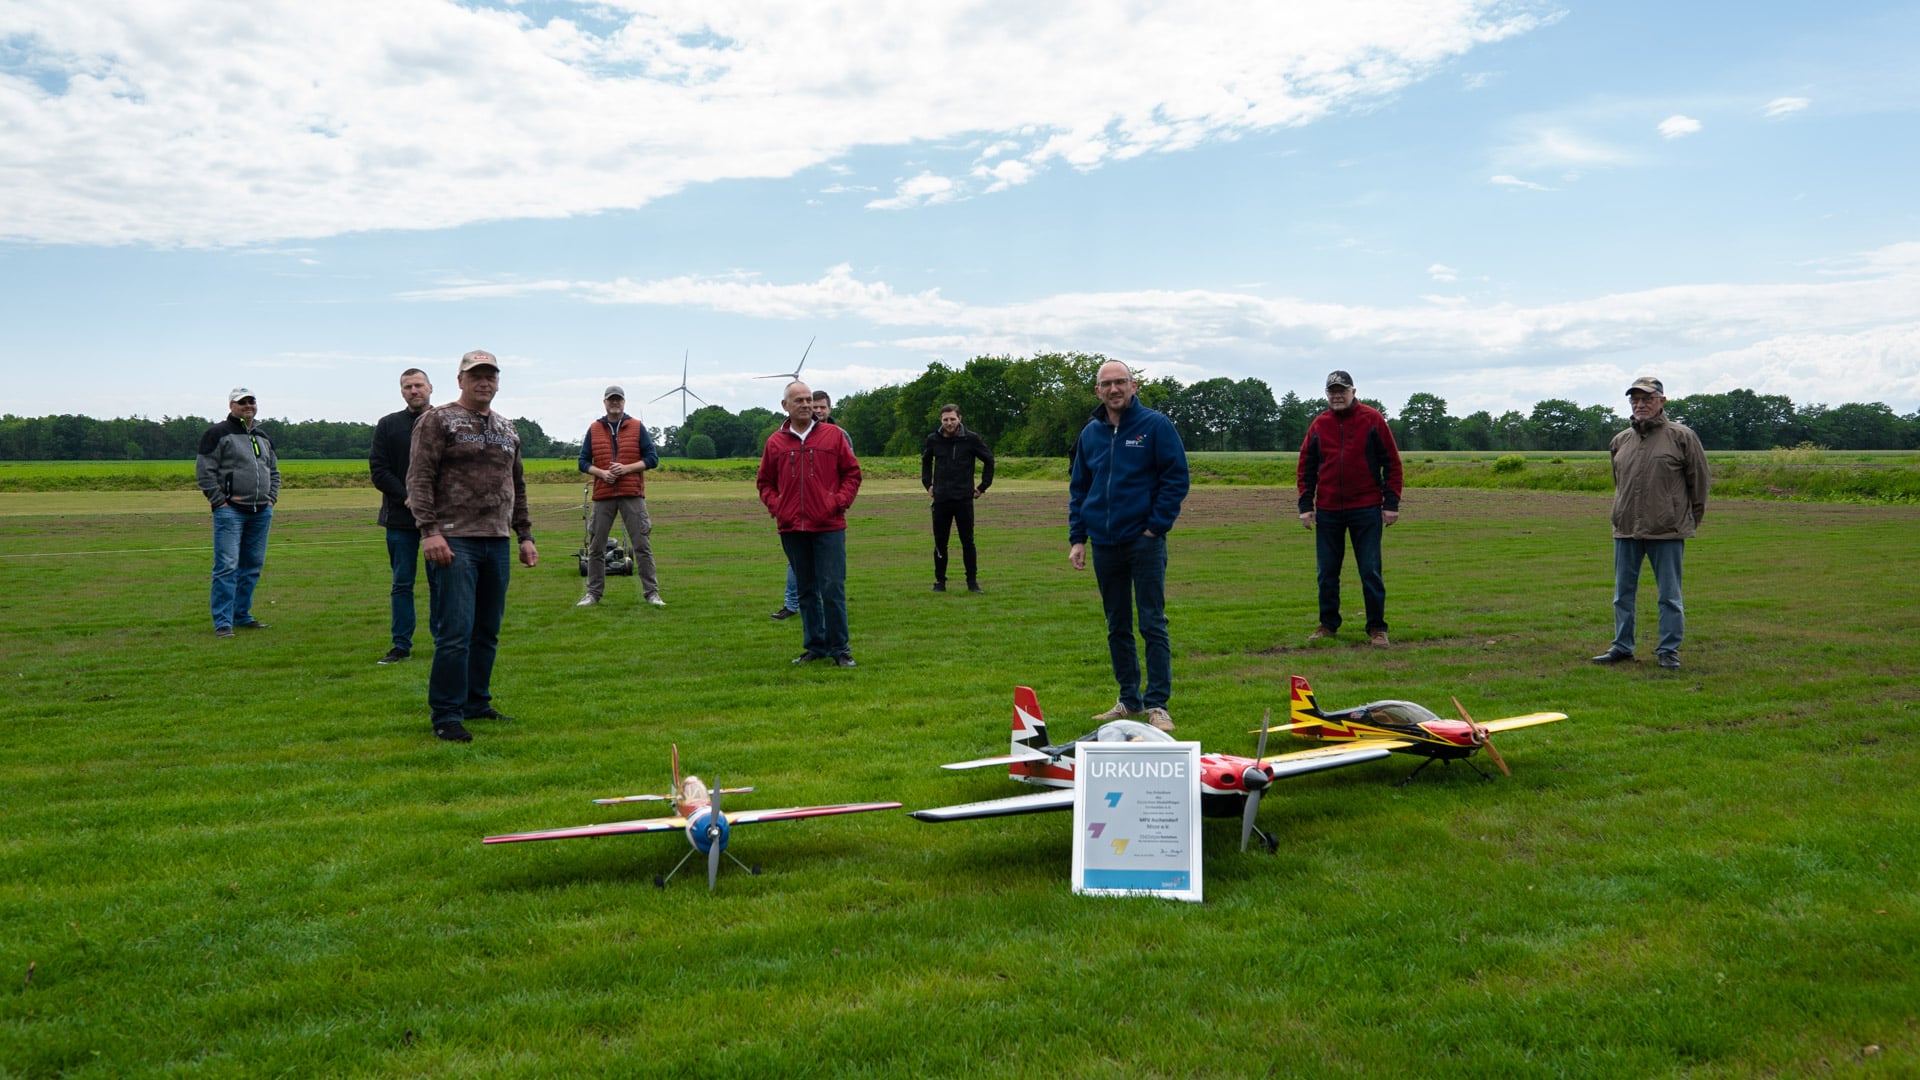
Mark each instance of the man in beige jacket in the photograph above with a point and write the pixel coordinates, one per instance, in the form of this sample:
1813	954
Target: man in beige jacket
1660	494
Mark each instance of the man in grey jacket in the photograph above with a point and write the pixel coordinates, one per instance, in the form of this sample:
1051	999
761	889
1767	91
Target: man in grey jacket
238	473
1660	486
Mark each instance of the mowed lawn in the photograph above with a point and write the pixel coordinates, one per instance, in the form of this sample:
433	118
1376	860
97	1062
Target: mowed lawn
249	857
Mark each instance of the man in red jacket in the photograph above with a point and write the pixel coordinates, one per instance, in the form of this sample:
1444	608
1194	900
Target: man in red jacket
617	452
1349	481
808	477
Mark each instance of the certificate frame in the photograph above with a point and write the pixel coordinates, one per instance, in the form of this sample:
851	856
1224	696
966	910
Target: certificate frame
1136	820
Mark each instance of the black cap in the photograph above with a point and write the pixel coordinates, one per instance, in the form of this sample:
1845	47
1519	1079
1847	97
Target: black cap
1339	378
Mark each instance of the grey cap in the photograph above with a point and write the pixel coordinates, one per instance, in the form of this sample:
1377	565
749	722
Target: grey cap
237	393
1339	378
614	391
1647	384
478	358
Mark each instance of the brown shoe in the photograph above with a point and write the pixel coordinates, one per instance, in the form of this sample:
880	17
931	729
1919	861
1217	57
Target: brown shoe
1320	633
1118	712
1378	639
1160	718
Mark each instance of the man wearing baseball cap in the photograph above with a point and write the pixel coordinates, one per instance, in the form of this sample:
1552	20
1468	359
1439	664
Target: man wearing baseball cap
238	473
1660	487
1349	483
617	452
468	494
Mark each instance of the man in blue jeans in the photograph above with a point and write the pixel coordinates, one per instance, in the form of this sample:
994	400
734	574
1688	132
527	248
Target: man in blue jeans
387	462
1128	481
238	473
468	494
1349	483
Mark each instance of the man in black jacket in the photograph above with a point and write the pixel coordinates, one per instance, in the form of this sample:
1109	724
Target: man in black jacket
392	445
946	471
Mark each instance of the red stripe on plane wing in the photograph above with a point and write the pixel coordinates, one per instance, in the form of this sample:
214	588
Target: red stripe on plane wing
748	817
617	828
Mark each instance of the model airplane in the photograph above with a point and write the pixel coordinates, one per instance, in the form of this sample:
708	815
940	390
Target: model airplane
1230	785
696	811
1404	727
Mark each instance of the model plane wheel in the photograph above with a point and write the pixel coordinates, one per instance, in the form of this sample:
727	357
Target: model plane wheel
754	870
659	882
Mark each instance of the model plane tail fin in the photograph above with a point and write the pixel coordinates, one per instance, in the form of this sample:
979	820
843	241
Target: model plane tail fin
1029	727
1305	710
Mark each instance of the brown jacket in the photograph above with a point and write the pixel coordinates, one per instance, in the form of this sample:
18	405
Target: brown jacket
464	476
1659	481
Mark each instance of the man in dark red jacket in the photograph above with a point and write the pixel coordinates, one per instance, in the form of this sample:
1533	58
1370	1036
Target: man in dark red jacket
808	477
1349	481
617	453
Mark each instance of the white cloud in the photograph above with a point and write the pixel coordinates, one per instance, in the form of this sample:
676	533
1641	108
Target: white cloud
1784	106
922	190
1552	146
1442	272
1004	175
1514	181
176	122
1673	127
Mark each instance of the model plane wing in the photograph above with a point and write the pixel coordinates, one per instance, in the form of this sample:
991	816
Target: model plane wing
1528	720
1036	803
1002	760
1329	757
793	813
617	828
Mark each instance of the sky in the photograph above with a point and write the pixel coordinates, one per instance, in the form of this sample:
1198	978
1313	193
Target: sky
1496	202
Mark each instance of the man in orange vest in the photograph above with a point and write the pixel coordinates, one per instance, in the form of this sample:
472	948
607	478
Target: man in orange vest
617	452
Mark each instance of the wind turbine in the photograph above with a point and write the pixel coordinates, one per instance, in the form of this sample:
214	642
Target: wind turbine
793	375
682	391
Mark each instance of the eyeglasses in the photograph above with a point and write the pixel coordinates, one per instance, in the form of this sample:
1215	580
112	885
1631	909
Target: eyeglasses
244	401
1109	384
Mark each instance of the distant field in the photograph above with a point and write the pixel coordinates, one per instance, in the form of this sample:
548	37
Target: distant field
1868	476
248	857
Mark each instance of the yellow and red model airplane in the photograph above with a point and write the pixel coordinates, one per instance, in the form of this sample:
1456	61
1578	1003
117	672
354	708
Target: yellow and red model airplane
1404	727
696	812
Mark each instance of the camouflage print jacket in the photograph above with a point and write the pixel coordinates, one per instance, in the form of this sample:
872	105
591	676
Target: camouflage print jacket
464	476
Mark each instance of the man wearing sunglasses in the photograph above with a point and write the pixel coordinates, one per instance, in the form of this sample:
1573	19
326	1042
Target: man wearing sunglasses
240	477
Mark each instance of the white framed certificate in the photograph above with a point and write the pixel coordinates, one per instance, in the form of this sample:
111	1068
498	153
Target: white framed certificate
1136	819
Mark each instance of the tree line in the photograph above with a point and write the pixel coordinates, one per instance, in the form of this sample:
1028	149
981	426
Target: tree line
1035	406
172	438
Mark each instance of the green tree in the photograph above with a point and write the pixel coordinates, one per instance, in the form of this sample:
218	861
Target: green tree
1424	424
701	447
1474	431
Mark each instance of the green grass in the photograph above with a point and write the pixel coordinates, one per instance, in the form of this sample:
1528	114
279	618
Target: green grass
248	857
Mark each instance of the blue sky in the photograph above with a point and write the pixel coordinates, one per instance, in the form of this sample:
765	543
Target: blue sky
1496	202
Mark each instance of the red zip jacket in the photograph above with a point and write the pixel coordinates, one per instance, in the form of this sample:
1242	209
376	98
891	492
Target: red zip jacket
1348	461
808	484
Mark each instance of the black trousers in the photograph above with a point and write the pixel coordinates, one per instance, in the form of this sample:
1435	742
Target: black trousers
946	514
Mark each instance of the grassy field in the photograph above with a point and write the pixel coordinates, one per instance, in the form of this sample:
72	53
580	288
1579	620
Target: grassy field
248	857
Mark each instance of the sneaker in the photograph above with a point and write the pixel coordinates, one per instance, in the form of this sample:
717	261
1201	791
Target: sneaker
807	658
587	601
1160	718
1612	656
251	624
1321	633
223	631
1378	639
845	659
657	602
452	731
1670	660
974	586
1118	712
490	713
783	613
394	656
939	586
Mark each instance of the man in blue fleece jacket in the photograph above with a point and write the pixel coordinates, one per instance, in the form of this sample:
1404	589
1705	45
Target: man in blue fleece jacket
1129	478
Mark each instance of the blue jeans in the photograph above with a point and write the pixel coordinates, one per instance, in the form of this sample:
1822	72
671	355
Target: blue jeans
819	564
403	555
1138	568
239	551
467	604
1330	531
793	588
1665	556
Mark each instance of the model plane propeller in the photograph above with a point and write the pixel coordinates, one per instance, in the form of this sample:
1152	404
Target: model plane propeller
1230	785
698	815
1404	727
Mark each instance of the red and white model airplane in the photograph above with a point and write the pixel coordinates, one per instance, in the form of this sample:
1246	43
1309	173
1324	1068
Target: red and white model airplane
1230	785
696	812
